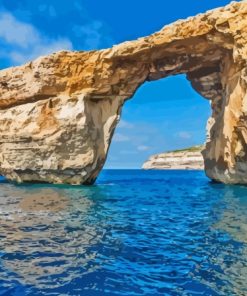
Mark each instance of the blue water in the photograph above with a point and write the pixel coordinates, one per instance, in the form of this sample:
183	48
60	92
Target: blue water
133	233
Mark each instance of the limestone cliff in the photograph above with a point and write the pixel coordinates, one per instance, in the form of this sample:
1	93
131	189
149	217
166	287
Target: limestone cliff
58	113
185	159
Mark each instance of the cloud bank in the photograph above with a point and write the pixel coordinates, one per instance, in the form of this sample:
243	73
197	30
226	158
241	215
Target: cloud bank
23	42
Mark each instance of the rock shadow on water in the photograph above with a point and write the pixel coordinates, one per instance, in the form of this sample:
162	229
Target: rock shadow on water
231	229
46	233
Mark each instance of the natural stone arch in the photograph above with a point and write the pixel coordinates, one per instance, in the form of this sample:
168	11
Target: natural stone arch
58	113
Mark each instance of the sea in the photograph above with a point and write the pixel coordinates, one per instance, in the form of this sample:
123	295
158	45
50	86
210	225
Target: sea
134	232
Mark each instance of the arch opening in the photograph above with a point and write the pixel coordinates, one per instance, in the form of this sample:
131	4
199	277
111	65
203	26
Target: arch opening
163	115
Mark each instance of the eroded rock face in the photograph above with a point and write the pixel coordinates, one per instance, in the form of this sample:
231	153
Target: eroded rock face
186	159
58	113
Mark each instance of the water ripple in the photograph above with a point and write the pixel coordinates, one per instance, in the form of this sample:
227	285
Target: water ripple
133	233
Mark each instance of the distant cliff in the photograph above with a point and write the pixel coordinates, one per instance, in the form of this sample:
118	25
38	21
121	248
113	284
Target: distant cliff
185	159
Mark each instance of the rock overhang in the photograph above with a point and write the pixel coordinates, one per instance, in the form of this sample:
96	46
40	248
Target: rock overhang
38	144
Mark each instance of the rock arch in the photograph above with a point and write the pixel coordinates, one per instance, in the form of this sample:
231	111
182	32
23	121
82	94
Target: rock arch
58	113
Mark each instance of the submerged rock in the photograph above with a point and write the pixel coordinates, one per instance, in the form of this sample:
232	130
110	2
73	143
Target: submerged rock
58	113
185	159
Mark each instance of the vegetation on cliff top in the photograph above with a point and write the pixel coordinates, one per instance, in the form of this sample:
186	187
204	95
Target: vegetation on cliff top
189	149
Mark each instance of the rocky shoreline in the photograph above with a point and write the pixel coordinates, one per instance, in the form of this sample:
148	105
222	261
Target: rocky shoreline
185	159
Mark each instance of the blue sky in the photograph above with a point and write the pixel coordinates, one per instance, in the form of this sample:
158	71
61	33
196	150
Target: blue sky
163	115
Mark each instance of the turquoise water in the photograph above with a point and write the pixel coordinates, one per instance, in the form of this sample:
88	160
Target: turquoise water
133	233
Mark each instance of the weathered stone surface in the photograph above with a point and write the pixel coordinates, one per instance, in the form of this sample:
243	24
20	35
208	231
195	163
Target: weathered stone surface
58	113
185	159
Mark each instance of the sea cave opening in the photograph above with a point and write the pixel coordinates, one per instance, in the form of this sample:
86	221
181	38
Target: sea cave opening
164	115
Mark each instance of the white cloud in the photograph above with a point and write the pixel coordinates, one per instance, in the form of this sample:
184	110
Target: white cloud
90	32
25	41
39	50
92	35
143	148
128	152
184	135
120	138
125	124
17	33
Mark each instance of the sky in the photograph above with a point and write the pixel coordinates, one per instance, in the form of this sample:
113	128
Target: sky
163	115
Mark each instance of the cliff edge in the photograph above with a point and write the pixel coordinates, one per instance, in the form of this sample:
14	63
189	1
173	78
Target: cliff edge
184	159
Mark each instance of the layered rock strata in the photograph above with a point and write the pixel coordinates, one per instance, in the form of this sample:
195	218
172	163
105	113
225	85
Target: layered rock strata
58	113
186	159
